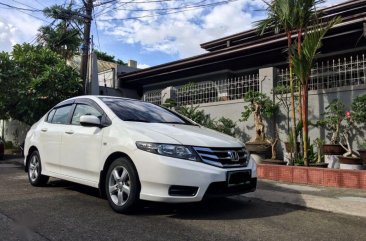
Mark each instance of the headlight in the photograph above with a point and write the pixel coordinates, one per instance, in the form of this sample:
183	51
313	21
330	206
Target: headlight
176	151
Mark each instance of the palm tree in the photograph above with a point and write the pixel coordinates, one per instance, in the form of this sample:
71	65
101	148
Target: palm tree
292	16
63	35
280	16
61	39
306	15
303	61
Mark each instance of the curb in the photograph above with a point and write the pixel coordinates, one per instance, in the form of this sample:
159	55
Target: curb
349	206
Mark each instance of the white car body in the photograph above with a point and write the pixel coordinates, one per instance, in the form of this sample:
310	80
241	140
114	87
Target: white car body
80	154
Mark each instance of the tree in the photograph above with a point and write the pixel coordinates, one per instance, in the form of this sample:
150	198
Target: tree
281	16
33	80
61	39
359	109
63	35
332	119
259	105
107	57
303	62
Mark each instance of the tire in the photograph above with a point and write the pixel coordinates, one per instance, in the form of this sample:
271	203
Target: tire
34	169
122	186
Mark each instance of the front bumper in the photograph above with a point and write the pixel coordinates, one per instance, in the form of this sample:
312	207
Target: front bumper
158	174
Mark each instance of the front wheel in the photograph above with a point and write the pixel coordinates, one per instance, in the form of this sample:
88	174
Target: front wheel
122	186
35	170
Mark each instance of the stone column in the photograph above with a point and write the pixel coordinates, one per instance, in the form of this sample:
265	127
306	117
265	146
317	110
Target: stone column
168	93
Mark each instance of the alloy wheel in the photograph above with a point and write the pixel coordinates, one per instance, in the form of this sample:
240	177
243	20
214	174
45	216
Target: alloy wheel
119	185
34	168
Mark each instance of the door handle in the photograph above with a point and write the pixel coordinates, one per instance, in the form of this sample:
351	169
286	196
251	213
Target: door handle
44	129
70	132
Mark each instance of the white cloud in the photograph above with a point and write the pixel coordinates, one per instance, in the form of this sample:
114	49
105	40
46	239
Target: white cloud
143	66
16	28
181	33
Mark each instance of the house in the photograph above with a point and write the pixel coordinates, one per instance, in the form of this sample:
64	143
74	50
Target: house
243	54
236	64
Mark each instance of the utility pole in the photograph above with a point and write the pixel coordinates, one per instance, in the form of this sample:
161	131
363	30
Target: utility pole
86	43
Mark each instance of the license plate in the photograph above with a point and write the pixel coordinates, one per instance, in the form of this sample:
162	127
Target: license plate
238	178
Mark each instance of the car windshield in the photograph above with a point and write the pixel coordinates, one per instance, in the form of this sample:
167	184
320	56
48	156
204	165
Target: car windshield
139	111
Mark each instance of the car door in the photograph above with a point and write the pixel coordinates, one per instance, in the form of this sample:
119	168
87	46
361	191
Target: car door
50	136
81	145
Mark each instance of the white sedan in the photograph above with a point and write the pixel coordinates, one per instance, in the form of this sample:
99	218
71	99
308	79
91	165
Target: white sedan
134	150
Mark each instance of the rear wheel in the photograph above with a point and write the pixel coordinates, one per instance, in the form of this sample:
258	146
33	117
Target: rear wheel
122	186
35	170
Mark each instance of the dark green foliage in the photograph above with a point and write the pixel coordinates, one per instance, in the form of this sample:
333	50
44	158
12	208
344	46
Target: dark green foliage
60	39
359	109
63	36
109	58
170	103
224	125
332	118
266	105
198	116
32	80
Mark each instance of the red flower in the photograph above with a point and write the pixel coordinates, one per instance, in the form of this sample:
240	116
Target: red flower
348	115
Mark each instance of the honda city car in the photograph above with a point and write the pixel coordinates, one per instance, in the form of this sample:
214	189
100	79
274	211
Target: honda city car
134	150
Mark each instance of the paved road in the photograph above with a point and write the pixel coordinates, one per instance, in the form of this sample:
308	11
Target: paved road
66	211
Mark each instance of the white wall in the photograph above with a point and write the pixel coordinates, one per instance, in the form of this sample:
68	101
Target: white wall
15	131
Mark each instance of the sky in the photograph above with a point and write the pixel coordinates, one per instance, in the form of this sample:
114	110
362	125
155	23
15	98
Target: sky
140	29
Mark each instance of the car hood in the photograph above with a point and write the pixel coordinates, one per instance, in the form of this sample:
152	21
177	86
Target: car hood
185	134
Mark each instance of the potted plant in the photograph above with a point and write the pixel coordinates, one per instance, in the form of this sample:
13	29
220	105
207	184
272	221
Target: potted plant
260	106
351	157
281	93
319	155
362	153
359	116
332	119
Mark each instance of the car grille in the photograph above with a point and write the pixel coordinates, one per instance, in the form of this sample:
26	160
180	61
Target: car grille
223	157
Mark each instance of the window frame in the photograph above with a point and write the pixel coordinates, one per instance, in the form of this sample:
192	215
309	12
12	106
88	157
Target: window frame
105	120
74	109
59	107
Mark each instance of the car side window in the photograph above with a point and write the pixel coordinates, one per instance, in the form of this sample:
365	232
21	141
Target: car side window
50	115
83	109
61	115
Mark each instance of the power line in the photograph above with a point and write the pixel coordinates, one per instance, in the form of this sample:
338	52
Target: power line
105	10
169	12
19	8
178	8
24	4
96	29
40	3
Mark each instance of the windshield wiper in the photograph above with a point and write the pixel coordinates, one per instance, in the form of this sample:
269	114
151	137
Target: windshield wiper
177	123
136	120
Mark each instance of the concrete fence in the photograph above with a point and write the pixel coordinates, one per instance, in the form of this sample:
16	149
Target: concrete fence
342	79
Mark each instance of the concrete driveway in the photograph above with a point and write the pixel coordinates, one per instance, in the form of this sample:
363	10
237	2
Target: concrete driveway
67	211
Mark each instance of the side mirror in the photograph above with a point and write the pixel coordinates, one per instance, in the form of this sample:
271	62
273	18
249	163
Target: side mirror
89	120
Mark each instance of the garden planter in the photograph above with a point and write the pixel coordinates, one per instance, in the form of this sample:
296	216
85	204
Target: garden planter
289	148
273	162
333	149
363	155
332	161
262	149
352	163
319	165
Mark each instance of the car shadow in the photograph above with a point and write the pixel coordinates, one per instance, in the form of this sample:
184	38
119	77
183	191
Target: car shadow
226	208
91	191
229	208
